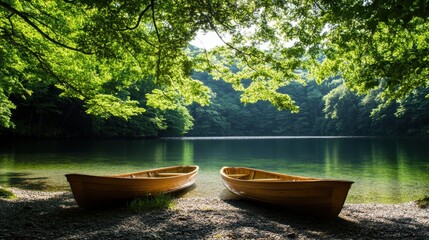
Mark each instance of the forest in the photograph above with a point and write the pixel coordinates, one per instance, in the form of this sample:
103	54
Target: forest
125	68
327	109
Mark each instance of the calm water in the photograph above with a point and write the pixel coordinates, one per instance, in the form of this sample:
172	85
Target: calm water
384	170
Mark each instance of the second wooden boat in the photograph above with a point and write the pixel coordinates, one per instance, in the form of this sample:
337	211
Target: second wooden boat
314	196
92	192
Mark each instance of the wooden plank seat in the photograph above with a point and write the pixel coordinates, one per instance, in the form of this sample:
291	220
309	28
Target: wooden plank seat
265	179
170	174
238	175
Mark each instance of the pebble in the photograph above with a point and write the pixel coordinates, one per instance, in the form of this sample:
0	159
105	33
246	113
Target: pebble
202	218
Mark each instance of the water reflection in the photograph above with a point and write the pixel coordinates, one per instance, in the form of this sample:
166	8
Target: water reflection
188	153
384	170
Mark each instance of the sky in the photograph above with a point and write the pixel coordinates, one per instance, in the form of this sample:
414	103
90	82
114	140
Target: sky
207	40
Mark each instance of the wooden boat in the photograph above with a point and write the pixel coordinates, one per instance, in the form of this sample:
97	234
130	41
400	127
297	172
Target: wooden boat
91	192
313	196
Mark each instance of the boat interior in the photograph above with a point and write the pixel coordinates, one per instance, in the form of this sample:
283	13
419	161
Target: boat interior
260	176
160	173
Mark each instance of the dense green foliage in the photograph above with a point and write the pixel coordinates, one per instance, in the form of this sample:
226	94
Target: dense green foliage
329	108
45	114
96	55
95	52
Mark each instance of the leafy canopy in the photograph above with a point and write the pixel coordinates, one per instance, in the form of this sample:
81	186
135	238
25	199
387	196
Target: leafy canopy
96	50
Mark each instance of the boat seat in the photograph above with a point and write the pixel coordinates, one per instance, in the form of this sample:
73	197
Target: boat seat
265	179
237	175
170	174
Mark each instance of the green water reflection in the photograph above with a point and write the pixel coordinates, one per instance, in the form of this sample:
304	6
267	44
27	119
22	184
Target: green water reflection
384	169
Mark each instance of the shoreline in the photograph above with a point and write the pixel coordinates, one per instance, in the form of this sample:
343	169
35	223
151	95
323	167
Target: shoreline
55	215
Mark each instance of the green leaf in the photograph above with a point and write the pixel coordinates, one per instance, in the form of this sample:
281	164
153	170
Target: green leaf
105	106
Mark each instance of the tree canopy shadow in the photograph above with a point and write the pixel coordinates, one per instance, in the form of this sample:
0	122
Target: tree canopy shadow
345	226
24	181
57	216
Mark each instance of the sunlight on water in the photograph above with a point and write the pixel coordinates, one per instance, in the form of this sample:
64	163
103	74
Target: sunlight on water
383	169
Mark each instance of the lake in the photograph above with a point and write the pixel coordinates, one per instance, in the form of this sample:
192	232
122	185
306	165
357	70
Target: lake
385	170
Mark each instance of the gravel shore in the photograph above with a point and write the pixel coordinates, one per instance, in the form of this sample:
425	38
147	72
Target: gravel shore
55	215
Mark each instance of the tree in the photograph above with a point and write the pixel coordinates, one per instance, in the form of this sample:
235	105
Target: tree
342	104
373	43
413	113
368	43
82	45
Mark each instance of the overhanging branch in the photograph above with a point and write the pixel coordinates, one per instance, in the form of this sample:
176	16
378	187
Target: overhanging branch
140	17
40	31
152	5
44	65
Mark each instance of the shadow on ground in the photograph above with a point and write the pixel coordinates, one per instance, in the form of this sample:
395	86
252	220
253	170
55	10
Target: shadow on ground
24	181
56	216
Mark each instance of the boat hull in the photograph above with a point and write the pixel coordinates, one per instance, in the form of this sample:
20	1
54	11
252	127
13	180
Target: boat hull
93	192
313	196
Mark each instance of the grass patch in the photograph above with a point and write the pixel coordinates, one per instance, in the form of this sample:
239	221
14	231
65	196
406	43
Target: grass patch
4	193
423	202
152	202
